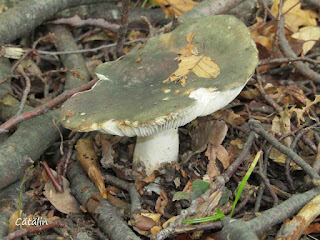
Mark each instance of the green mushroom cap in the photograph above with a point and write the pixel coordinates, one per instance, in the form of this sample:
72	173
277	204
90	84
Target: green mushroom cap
131	97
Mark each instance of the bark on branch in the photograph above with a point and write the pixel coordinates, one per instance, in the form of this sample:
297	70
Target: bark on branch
27	15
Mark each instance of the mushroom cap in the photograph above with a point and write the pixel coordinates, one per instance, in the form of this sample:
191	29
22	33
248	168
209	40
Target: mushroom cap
131	99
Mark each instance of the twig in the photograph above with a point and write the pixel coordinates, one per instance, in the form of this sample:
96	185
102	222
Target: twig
288	60
77	21
69	154
147	21
213	226
316	163
90	49
25	92
33	230
44	108
263	93
287	52
255	125
123	27
268	186
65	159
129	187
53	179
276	37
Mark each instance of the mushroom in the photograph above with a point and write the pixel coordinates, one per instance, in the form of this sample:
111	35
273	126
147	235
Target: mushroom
134	97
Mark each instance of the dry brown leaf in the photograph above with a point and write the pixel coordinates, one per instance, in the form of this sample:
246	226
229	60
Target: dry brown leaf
296	17
88	160
223	156
285	126
200	136
145	222
63	201
212	168
312	228
218	133
175	7
308	34
161	202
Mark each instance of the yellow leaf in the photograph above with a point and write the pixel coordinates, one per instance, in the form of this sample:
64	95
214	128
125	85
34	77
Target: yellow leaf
190	49
202	66
300	112
262	35
295	17
308	34
175	7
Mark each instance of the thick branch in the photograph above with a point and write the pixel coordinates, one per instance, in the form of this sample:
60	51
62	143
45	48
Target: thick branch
27	15
106	217
78	73
210	7
240	230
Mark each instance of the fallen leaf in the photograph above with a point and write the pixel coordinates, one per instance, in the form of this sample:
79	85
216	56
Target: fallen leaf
200	136
285	126
175	7
89	161
12	221
301	111
144	223
198	188
161	202
308	34
262	35
189	61
167	223
312	228
218	133
202	66
63	201
295	17
212	168
190	49
223	156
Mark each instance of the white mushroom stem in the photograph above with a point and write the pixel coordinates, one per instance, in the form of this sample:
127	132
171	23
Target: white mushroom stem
157	149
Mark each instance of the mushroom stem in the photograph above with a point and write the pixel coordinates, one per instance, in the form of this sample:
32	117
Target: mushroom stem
152	151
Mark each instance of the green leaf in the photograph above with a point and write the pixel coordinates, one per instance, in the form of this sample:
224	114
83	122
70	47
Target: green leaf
200	186
181	195
244	181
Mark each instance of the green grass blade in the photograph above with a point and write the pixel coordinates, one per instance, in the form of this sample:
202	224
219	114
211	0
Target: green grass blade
205	219
244	181
144	3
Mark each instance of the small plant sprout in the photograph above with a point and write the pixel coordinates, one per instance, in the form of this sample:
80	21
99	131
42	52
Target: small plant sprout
244	181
